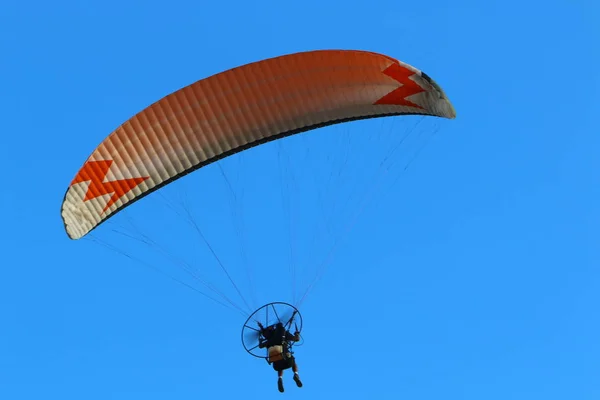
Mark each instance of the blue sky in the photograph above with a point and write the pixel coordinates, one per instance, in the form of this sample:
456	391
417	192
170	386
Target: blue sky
473	273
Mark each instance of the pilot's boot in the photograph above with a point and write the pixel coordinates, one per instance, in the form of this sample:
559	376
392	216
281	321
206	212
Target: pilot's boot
280	384
297	379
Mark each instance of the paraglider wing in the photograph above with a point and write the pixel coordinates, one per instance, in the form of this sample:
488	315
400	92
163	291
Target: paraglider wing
238	109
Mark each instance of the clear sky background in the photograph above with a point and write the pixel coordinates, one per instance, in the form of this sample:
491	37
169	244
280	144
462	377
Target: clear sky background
473	274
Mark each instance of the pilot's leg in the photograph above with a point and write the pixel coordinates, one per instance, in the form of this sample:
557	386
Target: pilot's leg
280	380
296	376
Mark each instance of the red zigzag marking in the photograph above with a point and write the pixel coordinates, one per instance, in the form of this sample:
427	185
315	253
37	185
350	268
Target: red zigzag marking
95	172
408	88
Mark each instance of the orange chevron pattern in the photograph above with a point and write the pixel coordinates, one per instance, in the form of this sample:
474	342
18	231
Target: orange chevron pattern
95	172
408	88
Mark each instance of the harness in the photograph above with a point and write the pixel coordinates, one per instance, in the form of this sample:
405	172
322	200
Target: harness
283	351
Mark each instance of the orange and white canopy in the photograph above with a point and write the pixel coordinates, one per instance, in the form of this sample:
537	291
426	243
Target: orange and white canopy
238	109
